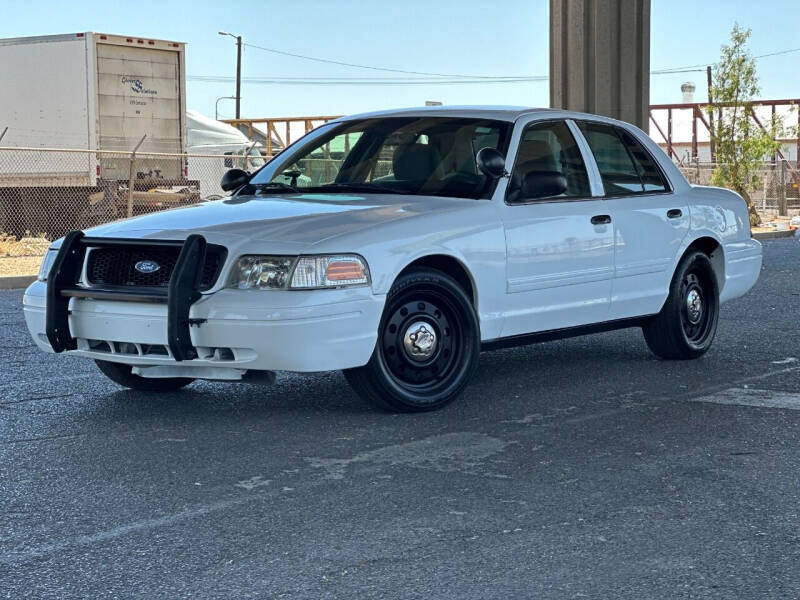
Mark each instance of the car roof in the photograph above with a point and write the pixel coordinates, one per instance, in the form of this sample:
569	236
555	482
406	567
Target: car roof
503	113
500	113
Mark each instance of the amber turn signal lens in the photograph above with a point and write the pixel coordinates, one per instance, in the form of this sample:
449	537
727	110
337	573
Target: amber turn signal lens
344	271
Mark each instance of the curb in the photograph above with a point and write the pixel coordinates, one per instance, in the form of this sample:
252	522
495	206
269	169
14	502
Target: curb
15	283
771	235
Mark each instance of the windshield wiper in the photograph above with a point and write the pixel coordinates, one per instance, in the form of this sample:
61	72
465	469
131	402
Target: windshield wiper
275	185
360	187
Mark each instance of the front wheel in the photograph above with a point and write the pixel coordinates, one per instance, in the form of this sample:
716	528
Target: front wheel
122	375
427	348
687	323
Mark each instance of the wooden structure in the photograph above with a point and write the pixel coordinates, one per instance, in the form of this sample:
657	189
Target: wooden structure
279	128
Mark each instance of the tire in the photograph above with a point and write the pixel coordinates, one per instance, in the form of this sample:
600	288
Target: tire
687	323
427	348
121	374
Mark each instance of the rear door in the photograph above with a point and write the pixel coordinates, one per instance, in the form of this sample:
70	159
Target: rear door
650	221
559	249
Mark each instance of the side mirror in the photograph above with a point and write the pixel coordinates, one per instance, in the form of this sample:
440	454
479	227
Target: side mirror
234	179
491	163
543	184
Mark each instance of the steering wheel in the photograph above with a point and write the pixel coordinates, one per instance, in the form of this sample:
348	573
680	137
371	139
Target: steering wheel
294	174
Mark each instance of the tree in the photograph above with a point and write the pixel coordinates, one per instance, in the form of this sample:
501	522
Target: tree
742	145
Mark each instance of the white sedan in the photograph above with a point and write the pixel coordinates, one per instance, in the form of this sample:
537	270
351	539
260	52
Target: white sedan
396	246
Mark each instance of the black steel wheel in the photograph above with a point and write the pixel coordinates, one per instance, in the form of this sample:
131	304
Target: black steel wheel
122	375
428	344
687	323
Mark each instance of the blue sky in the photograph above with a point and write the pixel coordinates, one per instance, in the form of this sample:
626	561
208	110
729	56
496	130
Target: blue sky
471	37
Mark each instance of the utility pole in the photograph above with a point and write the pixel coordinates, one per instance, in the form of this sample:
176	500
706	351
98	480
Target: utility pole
238	39
238	75
711	144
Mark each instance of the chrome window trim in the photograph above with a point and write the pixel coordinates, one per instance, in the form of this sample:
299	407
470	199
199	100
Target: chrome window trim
595	181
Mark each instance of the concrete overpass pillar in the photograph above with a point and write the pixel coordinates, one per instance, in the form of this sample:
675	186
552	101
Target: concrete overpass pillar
600	58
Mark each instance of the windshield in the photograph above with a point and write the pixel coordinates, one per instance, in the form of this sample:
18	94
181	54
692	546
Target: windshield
408	155
255	159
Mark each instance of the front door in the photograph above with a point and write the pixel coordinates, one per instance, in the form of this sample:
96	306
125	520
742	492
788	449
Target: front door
560	249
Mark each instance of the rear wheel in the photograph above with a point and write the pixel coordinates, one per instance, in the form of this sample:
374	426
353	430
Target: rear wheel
687	323
427	348
121	374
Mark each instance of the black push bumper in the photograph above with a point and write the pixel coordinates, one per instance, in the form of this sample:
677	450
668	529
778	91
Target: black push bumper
181	293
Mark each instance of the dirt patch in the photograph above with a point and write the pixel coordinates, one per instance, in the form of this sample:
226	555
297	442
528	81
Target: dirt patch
26	246
11	266
21	256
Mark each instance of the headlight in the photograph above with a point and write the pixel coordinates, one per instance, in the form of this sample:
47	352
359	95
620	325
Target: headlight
329	271
261	272
47	263
298	273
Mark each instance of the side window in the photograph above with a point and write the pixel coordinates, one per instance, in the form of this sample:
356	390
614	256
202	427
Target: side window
549	147
625	166
617	170
652	181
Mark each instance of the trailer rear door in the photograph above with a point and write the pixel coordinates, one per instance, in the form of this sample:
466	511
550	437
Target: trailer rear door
139	94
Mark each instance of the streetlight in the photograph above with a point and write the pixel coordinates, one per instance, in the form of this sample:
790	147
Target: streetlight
216	105
238	96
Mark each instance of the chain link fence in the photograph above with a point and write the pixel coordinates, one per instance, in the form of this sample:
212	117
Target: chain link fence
777	194
45	193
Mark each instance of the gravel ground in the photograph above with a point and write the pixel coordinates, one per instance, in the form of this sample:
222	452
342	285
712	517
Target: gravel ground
583	468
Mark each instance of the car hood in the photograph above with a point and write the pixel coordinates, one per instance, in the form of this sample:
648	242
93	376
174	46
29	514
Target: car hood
294	219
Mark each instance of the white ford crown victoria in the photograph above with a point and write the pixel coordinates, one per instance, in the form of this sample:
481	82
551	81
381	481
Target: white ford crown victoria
396	246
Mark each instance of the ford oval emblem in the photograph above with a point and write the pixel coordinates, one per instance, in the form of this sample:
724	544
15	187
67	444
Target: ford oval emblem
147	266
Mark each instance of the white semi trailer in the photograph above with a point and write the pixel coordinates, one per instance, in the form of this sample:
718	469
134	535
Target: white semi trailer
90	91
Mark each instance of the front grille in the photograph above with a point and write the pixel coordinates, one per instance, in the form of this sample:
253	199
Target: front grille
117	265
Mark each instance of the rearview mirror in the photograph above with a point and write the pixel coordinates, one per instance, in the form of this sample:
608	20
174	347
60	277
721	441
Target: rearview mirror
543	184
491	163
234	179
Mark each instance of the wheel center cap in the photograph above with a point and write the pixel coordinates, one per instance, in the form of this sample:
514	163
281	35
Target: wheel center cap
420	341
694	305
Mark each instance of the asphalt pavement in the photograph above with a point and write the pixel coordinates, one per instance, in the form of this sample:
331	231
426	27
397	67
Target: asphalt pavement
582	468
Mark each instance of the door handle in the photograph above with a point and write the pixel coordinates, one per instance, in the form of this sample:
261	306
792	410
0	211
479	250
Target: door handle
601	219
674	213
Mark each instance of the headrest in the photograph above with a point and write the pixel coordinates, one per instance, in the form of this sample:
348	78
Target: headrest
415	162
537	155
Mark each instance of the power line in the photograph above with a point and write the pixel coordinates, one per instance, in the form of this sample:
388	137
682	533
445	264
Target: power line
424	78
373	68
688	68
362	81
777	53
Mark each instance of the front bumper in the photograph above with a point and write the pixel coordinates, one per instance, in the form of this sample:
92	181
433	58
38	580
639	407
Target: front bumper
178	331
315	330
